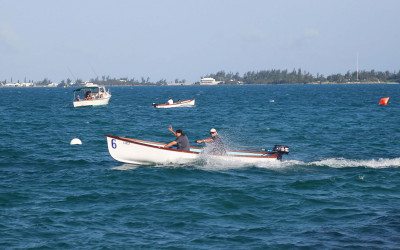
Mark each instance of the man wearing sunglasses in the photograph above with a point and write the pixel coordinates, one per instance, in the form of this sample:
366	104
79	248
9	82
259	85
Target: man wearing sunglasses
215	144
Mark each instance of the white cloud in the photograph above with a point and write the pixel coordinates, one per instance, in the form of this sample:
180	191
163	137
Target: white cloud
311	33
254	34
305	38
9	39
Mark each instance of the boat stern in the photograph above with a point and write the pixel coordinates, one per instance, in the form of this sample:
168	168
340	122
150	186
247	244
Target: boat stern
281	150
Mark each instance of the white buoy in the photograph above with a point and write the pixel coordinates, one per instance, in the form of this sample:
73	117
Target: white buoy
76	141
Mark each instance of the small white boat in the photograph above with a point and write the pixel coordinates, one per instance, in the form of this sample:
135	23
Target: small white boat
91	95
187	103
146	152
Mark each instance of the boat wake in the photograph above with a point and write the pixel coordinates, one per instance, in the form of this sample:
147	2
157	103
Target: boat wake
332	162
212	164
216	165
348	163
125	167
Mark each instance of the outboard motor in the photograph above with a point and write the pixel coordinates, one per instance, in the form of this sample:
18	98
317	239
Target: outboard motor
154	104
281	150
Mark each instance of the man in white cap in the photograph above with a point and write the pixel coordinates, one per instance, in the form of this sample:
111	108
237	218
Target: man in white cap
215	142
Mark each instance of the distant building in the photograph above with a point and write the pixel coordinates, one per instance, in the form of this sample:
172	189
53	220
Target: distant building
53	84
11	84
26	84
208	81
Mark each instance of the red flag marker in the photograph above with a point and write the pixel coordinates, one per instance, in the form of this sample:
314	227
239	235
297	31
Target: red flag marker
384	101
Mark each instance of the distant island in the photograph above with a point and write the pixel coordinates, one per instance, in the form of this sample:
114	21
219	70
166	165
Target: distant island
273	76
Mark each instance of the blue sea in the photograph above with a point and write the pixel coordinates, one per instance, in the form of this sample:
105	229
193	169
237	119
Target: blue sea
338	188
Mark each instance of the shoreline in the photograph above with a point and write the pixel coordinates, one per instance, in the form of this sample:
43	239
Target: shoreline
174	85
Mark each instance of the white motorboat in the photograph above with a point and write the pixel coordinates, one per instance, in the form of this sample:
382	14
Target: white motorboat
146	152
187	103
91	95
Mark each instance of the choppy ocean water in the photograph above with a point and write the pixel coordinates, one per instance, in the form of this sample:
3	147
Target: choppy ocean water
338	188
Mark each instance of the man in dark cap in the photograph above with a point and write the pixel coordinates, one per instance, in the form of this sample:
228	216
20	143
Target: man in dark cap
181	141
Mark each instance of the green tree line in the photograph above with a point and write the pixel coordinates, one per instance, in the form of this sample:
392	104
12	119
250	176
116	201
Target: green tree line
274	76
298	76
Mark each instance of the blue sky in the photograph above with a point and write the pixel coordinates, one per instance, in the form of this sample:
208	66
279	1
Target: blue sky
188	39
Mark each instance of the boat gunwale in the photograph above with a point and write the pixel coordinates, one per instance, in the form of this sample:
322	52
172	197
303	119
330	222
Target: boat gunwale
143	143
91	100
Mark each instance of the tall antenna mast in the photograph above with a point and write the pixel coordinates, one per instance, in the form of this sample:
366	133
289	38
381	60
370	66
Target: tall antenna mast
357	66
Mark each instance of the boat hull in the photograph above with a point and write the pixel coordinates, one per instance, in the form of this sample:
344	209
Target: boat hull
144	152
187	103
93	102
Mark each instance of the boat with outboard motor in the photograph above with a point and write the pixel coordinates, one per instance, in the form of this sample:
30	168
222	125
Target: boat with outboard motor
93	95
187	103
146	152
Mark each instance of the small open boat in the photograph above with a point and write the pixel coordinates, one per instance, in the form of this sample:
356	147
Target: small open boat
146	152
91	95
187	103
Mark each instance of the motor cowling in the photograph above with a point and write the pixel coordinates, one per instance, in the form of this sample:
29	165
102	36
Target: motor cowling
281	150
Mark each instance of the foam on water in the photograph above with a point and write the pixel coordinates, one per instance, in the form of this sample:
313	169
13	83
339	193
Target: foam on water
346	163
125	167
210	163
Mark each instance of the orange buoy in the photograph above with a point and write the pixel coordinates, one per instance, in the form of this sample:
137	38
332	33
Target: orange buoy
384	101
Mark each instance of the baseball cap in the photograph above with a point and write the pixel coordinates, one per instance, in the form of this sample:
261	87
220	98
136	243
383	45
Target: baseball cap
213	130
